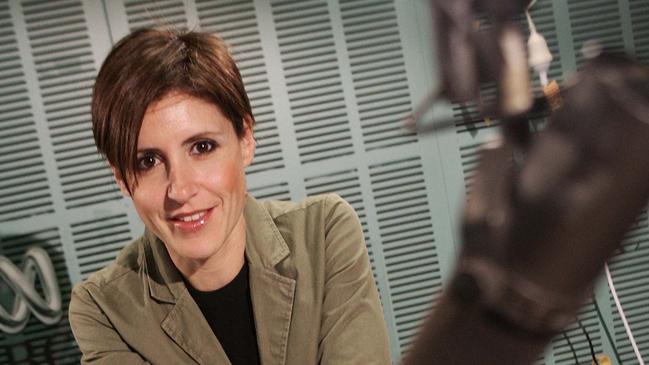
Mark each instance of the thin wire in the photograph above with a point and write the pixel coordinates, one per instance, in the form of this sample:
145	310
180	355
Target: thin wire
619	309
572	348
529	17
543	75
607	332
531	4
530	22
590	343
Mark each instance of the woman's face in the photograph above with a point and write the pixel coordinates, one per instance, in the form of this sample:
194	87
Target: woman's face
191	183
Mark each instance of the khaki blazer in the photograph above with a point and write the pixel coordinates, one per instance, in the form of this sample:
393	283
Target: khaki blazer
313	295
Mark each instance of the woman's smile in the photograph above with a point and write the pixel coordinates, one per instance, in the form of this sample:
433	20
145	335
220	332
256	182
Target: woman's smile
191	222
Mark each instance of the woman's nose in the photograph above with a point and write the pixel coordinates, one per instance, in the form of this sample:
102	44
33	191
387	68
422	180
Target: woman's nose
182	185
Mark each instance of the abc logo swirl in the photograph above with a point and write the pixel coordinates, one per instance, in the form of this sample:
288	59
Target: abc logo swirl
36	264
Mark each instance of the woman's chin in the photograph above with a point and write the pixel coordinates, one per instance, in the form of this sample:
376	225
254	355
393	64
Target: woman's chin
190	251
196	254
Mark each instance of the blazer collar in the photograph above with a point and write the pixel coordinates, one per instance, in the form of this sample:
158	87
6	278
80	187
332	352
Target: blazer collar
165	281
264	244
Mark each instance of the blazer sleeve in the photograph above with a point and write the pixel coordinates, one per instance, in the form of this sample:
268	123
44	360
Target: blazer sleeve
97	339
353	329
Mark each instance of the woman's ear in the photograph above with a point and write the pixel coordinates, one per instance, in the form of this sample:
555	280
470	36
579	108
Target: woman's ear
120	182
247	141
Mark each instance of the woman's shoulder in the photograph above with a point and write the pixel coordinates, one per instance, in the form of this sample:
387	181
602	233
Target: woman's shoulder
316	203
313	218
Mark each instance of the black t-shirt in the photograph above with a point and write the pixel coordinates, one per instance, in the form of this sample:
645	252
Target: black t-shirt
229	312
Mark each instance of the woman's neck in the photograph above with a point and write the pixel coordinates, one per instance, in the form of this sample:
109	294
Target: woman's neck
219	269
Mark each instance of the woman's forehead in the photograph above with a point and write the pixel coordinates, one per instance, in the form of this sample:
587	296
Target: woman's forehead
177	116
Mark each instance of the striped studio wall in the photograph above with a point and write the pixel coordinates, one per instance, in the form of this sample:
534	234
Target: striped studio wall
330	82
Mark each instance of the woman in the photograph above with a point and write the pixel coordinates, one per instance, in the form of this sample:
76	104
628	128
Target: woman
217	277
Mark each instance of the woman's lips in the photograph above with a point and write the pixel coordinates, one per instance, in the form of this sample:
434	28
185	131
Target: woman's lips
193	222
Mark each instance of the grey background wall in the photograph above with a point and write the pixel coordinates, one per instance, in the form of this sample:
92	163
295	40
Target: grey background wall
330	82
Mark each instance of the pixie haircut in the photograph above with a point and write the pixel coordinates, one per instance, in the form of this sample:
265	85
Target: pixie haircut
146	65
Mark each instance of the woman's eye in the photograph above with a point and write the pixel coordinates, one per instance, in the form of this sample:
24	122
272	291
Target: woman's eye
147	162
203	147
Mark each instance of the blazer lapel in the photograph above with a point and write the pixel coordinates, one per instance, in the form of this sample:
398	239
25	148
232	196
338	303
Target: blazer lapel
272	302
272	291
187	327
185	323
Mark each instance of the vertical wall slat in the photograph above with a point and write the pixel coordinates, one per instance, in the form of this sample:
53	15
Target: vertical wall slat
24	186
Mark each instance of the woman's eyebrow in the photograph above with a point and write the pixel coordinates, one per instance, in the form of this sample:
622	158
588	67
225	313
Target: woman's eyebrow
156	151
187	141
200	136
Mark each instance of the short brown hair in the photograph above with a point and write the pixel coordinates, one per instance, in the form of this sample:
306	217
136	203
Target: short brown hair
146	65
